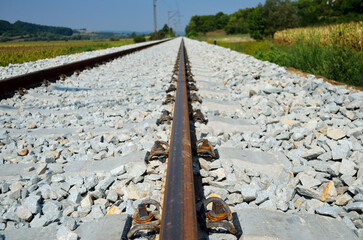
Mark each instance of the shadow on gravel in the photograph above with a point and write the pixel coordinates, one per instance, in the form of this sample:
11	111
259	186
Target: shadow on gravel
71	89
198	185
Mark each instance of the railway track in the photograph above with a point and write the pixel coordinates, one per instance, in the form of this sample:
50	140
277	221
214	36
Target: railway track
20	83
168	156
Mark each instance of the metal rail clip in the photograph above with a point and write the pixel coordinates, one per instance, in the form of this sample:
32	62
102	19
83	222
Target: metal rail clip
194	98
221	217
173	78
143	220
205	149
159	151
165	117
192	87
198	116
168	99
190	79
171	88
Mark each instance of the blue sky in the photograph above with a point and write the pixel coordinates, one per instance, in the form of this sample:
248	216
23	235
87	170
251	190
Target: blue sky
115	15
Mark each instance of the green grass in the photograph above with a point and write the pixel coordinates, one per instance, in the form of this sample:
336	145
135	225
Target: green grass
211	39
336	62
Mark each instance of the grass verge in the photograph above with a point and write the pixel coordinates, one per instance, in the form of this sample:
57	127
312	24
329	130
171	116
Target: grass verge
334	61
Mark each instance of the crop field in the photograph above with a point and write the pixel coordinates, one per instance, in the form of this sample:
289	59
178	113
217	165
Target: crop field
20	52
345	34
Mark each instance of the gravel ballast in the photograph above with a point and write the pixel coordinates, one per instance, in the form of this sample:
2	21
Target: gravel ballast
108	114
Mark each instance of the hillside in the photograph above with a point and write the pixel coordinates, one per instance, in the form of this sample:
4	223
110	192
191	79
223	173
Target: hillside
21	29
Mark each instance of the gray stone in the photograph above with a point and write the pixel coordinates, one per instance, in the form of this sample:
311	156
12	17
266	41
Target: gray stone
32	203
24	213
335	133
327	211
342	200
279	225
215	165
136	169
42	167
224	236
248	192
39	221
308	181
208	190
90	181
358	197
349	223
75	196
219	174
77	180
64	233
68	210
340	151
119	170
104	184
347	168
268	205
87	201
333	169
52	210
242	176
312	153
15	194
83	211
311	193
354	206
282	205
204	164
261	197
313	204
69	222
5	187
235	198
108	227
112	196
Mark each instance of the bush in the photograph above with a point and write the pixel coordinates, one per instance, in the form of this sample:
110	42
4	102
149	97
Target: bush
335	61
192	34
139	39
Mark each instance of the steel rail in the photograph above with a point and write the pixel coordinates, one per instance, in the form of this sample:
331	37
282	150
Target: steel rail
179	219
9	85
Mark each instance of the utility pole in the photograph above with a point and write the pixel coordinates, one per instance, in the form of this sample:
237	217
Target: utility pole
155	23
169	22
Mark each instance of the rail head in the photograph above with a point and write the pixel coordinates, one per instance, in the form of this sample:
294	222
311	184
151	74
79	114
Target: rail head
179	220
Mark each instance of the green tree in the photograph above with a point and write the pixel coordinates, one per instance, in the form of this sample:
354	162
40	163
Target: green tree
280	14
257	23
238	22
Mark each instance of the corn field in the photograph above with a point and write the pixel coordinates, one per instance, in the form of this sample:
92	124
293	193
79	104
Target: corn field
345	34
20	52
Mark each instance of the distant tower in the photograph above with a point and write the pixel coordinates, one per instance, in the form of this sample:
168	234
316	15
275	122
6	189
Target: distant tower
155	24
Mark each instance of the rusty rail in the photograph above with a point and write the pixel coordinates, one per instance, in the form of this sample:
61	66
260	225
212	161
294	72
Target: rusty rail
9	85
179	219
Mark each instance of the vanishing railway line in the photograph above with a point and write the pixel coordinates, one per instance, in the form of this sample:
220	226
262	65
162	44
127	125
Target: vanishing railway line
164	154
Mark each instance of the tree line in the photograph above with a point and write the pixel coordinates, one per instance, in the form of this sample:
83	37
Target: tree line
24	28
275	15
